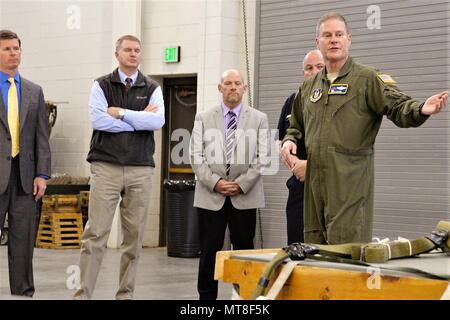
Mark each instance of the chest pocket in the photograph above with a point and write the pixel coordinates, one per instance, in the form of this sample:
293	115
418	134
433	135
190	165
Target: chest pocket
141	100
349	103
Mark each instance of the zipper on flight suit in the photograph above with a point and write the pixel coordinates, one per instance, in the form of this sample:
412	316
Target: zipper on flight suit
323	227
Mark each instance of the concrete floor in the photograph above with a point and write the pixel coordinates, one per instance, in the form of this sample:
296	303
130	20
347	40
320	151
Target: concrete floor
159	277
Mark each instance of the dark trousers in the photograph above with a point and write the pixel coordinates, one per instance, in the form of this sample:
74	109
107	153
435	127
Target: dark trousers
294	210
21	209
212	225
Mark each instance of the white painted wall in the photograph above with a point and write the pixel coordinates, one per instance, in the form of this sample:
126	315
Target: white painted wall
64	52
210	33
64	62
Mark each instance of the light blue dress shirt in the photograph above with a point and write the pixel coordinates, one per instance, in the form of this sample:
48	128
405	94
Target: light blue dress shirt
4	86
132	120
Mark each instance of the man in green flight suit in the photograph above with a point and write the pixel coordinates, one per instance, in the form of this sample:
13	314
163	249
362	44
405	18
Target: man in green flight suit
339	112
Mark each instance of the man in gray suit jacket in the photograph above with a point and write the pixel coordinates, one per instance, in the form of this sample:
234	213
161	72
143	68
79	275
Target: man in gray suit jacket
24	161
229	148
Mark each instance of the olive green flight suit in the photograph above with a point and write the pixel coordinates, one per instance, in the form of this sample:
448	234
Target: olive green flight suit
340	131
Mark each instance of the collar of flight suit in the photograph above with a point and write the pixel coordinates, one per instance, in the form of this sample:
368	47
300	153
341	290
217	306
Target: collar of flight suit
343	72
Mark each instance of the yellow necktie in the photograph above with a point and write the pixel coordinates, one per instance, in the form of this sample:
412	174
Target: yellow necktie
13	117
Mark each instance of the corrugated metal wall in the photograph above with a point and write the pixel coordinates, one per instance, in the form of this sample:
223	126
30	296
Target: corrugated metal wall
412	45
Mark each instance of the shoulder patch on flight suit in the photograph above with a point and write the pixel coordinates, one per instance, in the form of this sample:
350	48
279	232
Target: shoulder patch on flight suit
316	95
387	79
338	89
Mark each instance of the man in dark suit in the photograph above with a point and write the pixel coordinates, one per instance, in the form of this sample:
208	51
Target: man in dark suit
24	161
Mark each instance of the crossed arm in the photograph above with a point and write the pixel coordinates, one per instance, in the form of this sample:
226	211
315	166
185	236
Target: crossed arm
105	118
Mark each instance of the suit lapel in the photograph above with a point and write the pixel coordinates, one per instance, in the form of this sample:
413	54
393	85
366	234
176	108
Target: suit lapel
218	123
242	123
24	101
3	115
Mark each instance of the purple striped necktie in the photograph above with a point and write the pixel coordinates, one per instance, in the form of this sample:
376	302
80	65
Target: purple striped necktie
230	134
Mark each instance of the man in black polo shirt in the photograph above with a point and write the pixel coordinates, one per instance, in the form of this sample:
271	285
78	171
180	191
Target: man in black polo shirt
125	108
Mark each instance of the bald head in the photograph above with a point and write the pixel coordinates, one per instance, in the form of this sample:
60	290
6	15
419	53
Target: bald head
312	63
233	72
232	88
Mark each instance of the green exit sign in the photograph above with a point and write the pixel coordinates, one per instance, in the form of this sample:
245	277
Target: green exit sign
172	54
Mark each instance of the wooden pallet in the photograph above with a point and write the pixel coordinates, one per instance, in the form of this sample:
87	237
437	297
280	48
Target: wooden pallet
61	203
60	230
84	205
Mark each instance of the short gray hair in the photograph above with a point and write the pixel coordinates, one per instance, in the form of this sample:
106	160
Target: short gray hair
329	16
126	37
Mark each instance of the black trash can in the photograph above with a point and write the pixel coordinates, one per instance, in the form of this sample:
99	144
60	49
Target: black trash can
182	219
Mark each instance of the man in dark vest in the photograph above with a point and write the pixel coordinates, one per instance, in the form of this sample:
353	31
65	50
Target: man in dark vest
125	108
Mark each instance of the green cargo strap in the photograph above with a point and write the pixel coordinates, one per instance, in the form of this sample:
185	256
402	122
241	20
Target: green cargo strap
383	251
296	251
344	250
268	272
363	254
285	272
282	255
415	271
